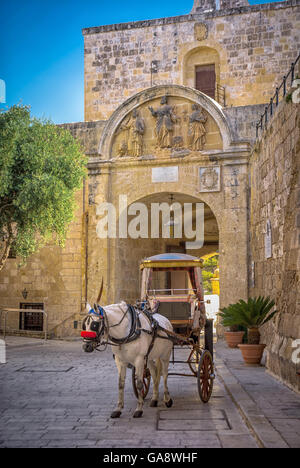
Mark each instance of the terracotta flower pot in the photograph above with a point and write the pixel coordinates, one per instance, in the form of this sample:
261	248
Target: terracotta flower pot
233	339
252	353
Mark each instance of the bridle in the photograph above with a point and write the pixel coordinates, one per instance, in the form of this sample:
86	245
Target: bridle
101	327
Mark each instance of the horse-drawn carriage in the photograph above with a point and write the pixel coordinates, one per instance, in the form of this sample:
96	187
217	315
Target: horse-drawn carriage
181	300
170	314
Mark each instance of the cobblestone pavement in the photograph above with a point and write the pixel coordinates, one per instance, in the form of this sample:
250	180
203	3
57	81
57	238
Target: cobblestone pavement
55	395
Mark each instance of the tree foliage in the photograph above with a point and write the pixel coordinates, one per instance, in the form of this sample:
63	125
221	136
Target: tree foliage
41	167
209	267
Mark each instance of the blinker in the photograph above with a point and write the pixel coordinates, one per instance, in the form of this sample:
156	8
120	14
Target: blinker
95	326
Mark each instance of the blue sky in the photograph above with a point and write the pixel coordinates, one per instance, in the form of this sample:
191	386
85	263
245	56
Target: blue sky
41	48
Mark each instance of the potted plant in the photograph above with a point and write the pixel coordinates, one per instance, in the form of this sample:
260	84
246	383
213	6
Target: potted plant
235	335
252	314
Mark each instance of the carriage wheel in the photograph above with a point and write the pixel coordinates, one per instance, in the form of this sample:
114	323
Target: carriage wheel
146	382
194	359
205	376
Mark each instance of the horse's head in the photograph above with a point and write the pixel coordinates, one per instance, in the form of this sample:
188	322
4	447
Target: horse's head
93	328
93	325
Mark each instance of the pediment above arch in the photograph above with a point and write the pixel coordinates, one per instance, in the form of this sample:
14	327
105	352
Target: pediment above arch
165	121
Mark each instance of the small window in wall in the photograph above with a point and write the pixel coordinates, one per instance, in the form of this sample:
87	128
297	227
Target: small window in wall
206	79
31	320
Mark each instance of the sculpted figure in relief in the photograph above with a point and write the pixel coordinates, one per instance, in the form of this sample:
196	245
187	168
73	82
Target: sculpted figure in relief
197	130
165	120
136	129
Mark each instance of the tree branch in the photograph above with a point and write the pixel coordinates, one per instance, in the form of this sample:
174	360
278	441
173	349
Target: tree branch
7	247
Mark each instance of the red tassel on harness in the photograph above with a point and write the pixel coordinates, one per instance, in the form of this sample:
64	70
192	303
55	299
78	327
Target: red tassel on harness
89	335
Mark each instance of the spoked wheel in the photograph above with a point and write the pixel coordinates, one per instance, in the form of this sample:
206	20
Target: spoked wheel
194	359
205	376
146	382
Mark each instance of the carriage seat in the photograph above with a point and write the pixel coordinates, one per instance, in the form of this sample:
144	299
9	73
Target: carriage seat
179	314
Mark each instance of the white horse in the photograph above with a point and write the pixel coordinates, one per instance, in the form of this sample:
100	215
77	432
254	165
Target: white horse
133	344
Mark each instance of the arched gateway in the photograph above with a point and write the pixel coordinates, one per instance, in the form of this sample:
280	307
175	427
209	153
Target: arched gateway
166	145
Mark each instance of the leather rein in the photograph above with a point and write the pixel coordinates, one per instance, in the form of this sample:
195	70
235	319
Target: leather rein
135	329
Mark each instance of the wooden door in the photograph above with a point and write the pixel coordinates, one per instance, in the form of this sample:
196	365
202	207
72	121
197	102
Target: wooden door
206	79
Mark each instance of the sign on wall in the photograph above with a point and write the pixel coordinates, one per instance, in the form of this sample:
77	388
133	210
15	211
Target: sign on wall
165	174
268	240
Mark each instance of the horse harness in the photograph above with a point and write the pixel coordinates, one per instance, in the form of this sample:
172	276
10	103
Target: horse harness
135	329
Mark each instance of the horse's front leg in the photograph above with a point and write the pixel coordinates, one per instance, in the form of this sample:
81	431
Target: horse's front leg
122	376
139	372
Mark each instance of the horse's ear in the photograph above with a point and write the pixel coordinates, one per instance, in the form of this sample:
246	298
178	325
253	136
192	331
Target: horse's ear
88	307
100	292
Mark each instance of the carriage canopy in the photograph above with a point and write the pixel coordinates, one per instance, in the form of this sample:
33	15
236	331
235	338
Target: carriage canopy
172	262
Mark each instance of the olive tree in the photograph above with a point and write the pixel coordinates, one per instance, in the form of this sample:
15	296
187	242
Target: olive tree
41	167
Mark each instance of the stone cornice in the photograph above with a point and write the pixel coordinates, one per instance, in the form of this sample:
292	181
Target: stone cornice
238	156
189	17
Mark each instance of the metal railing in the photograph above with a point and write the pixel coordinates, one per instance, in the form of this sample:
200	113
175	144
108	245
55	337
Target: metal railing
7	310
217	93
220	95
281	91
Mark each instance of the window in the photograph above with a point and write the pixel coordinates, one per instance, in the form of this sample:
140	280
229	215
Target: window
31	320
206	79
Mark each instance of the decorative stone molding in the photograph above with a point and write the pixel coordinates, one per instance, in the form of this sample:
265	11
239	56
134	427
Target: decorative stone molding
211	107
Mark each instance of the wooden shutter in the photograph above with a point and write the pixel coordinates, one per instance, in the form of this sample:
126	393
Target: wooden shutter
206	79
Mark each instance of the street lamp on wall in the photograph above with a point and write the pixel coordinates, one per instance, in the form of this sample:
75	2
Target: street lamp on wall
25	293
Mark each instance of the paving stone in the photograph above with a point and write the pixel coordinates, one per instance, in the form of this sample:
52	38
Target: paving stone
237	441
39	409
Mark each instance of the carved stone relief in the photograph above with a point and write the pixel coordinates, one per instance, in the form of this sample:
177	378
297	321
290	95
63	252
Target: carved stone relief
165	119
197	130
166	127
201	31
210	180
134	129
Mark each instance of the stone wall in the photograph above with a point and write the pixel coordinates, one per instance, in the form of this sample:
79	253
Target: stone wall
88	134
275	197
252	47
52	277
243	119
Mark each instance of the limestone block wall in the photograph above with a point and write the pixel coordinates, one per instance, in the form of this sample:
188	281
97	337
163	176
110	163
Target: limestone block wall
87	133
52	277
252	47
243	120
275	197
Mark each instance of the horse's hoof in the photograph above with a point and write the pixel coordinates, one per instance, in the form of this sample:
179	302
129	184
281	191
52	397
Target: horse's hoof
138	414
153	403
169	403
115	414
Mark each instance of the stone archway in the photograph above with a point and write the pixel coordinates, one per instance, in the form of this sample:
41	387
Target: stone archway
215	173
130	251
